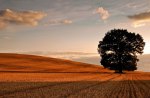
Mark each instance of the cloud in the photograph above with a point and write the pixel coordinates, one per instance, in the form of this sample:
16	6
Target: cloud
63	55
104	14
66	21
9	16
141	19
2	24
58	22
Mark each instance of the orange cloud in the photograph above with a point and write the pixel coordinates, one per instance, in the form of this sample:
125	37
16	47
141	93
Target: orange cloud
66	21
141	19
8	17
58	22
104	14
2	24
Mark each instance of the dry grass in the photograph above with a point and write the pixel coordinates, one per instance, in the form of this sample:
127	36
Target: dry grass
27	76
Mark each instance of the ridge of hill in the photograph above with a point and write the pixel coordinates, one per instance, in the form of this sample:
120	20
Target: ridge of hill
10	62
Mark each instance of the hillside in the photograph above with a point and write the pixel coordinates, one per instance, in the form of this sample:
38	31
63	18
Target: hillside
31	63
26	76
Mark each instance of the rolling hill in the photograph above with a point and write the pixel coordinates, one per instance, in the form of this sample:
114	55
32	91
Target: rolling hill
31	63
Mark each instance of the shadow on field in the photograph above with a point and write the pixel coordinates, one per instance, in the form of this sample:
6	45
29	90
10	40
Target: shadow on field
86	89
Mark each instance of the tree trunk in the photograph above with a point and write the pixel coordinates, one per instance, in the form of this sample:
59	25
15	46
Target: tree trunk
120	70
120	64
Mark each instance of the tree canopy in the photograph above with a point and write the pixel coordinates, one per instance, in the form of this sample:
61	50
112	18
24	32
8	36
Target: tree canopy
119	49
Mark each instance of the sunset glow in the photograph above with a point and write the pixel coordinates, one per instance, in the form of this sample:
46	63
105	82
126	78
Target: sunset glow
68	25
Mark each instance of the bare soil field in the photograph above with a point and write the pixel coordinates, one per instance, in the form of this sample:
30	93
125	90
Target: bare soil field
28	76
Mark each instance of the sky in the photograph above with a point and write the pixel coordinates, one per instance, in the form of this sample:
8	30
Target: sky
68	25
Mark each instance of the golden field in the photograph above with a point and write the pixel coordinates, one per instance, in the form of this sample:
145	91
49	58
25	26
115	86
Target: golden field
29	76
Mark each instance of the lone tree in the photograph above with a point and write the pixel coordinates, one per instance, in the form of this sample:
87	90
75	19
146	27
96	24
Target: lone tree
119	49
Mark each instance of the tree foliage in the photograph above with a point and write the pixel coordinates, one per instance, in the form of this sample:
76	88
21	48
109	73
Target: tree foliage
119	49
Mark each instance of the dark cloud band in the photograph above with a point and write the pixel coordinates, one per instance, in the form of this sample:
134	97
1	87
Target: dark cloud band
140	19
